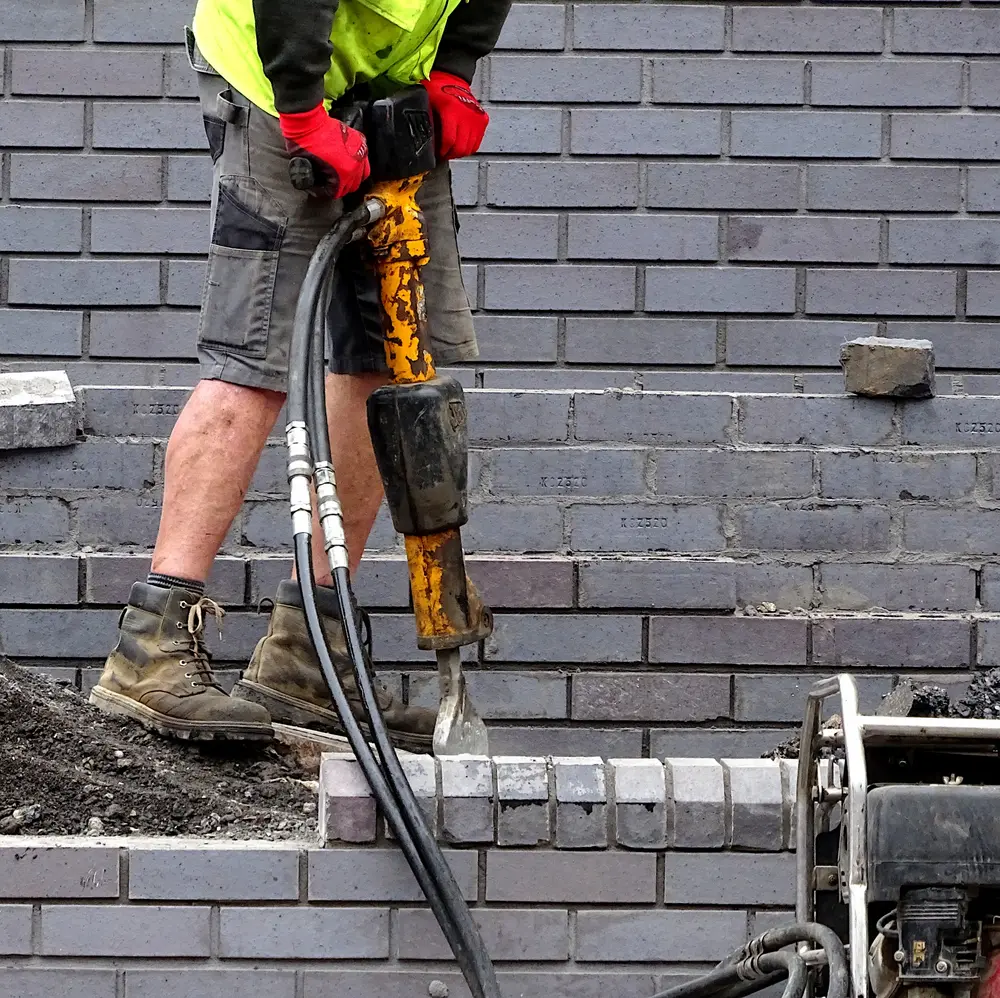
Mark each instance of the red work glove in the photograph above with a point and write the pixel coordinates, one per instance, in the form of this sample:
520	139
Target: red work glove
337	154
460	118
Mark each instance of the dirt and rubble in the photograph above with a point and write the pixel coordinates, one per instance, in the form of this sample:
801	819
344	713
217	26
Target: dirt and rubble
68	769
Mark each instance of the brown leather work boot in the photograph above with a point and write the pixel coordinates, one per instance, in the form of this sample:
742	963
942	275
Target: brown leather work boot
160	675
284	676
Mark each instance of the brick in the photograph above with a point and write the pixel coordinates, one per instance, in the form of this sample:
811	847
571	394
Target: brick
494	236
787	586
421	774
139	21
38	578
149	230
880	83
882	292
658	936
728	81
504	696
984	188
190	983
32	123
729	878
33	521
134	931
545	741
522	583
57	983
649	26
304	933
185	281
889	476
728	640
122	518
579	984
189	178
84	282
657	583
963	32
956	421
717	473
523	817
110	578
560	378
15	930
87	73
42	21
143	334
944	136
178	78
789	342
822	528
696	798
882	188
645	132
91	464
580	803
838	240
983	294
51	872
542	637
887	643
71	177
638	697
123	125
568	79
643	237
515	183
807	29
552	878
756	804
638	527
215	874
640	795
516	338
573	288
517	417
723	185
528	934
725	289
567	471
467	799
952	532
988	657
712	743
820	134
847	421
539	26
386	984
30	229
37	332
346	805
898	587
523	130
983	79
370	876
651	418
633	341
941	240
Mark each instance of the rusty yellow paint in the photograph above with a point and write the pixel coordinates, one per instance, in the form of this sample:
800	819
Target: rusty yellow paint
426	556
399	244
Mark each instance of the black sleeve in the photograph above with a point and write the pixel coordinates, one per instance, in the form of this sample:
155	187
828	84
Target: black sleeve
293	41
471	33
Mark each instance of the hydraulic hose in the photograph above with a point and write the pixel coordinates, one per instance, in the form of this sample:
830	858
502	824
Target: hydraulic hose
757	973
307	429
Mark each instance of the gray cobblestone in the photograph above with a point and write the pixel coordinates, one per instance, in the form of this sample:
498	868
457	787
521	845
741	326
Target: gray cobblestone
581	803
347	809
468	799
756	803
696	795
523	817
640	794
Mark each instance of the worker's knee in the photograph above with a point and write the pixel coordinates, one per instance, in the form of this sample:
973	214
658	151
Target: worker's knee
232	404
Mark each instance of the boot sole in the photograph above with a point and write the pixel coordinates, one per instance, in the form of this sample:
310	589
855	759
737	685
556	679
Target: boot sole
302	714
172	727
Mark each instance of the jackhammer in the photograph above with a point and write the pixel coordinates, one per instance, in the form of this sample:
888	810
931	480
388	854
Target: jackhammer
419	434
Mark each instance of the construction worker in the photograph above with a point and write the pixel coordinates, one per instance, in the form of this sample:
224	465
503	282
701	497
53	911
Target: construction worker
266	71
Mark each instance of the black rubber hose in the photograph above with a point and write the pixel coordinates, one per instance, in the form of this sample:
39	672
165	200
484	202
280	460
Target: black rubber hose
767	966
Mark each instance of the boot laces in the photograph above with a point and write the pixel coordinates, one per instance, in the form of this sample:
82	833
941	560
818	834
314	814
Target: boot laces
200	657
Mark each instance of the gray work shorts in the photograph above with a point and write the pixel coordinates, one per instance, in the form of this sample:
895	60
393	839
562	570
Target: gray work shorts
263	233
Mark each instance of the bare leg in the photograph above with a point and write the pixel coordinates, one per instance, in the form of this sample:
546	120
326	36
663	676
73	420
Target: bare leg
359	484
211	458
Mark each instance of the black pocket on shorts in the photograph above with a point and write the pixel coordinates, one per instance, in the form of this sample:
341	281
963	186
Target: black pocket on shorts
215	130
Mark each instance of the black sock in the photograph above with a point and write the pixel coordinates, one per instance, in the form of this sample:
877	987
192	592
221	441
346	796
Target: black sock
175	582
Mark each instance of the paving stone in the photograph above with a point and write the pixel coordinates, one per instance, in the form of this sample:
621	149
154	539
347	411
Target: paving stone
640	795
696	790
889	368
581	803
347	811
523	817
37	410
755	803
467	799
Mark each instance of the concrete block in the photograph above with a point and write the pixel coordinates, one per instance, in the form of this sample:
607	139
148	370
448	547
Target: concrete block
467	799
881	367
789	342
659	936
663	696
512	934
347	811
640	795
371	876
755	804
35	332
15	929
31	870
892	476
850	422
549	877
696	794
120	931
35	229
303	933
37	410
522	801
581	803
